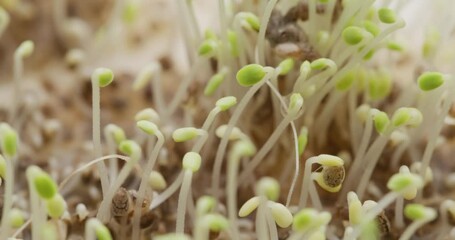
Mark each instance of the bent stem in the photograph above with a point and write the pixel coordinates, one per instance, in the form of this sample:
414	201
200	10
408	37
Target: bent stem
265	149
183	201
142	187
224	140
168	192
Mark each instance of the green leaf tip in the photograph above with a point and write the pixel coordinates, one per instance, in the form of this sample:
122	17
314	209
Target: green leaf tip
430	80
250	75
386	15
352	35
147	126
9	139
103	76
42	182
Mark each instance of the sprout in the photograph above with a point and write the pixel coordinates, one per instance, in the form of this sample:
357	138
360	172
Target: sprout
133	150
151	129
173	236
303	139
214	83
16	218
186	134
9	140
269	212
205	204
101	77
226	103
41	186
114	135
285	66
191	163
42	182
209	223
353	35
156	181
330	178
56	206
309	221
430	80
147	114
249	20
420	215
241	148
208	48
94	229
387	15
250	75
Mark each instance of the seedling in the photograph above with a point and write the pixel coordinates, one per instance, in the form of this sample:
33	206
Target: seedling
309	223
94	229
191	163
152	130
9	144
101	77
240	149
269	212
114	135
420	215
330	178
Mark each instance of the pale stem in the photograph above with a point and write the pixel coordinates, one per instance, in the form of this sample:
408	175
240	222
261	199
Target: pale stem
103	173
358	160
372	157
230	126
260	58
273	232
143	185
297	166
265	149
182	202
399	221
231	193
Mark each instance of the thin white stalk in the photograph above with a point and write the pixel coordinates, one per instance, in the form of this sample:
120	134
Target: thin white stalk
359	159
399	221
315	200
273	232
224	140
429	149
326	116
268	145
296	165
182	202
260	45
231	193
372	157
261	222
306	182
143	185
96	133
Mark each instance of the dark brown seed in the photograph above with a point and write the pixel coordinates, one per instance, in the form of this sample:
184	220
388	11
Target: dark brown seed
121	203
333	176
